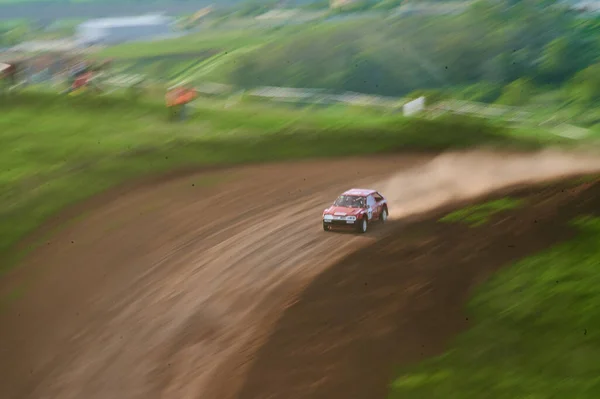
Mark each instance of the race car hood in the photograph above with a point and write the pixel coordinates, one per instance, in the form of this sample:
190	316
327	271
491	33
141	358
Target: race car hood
342	211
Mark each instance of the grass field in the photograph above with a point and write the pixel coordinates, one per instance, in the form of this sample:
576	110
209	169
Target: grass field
208	55
223	41
480	214
58	150
535	332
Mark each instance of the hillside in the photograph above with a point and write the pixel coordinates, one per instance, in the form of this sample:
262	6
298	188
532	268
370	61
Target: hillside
65	9
543	60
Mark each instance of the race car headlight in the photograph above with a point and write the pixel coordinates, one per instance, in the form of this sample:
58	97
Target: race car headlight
350	217
327	217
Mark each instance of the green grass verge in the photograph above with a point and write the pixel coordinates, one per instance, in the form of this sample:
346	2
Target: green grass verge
227	40
586	179
536	332
56	150
480	214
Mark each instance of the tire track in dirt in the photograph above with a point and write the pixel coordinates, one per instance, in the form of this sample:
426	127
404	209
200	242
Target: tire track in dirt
167	291
111	313
402	299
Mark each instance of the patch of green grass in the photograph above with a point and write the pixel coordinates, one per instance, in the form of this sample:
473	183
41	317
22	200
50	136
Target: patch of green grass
535	333
224	40
480	214
57	150
12	296
586	179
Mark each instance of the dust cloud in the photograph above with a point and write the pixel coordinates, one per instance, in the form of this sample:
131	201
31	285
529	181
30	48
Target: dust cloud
456	176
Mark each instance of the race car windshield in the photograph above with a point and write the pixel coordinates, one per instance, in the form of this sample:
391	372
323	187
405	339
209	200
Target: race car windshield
350	201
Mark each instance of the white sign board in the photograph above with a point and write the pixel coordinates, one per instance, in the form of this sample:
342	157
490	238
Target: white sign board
414	106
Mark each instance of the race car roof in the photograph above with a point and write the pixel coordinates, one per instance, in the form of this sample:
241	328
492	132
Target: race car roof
359	192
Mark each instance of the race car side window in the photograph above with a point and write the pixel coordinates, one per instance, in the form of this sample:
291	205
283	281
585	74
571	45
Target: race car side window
370	201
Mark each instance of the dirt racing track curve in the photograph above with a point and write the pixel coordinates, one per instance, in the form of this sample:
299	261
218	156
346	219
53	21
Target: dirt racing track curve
168	291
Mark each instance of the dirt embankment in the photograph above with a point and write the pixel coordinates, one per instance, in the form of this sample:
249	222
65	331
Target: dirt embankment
402	299
168	291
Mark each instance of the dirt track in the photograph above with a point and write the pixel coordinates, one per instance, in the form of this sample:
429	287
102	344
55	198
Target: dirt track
168	291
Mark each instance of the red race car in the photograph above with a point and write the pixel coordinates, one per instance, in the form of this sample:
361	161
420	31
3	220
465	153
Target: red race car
356	208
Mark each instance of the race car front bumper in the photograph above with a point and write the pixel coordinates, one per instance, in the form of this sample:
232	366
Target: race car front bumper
339	221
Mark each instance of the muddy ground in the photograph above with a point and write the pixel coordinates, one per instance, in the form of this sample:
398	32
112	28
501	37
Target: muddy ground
221	284
402	299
